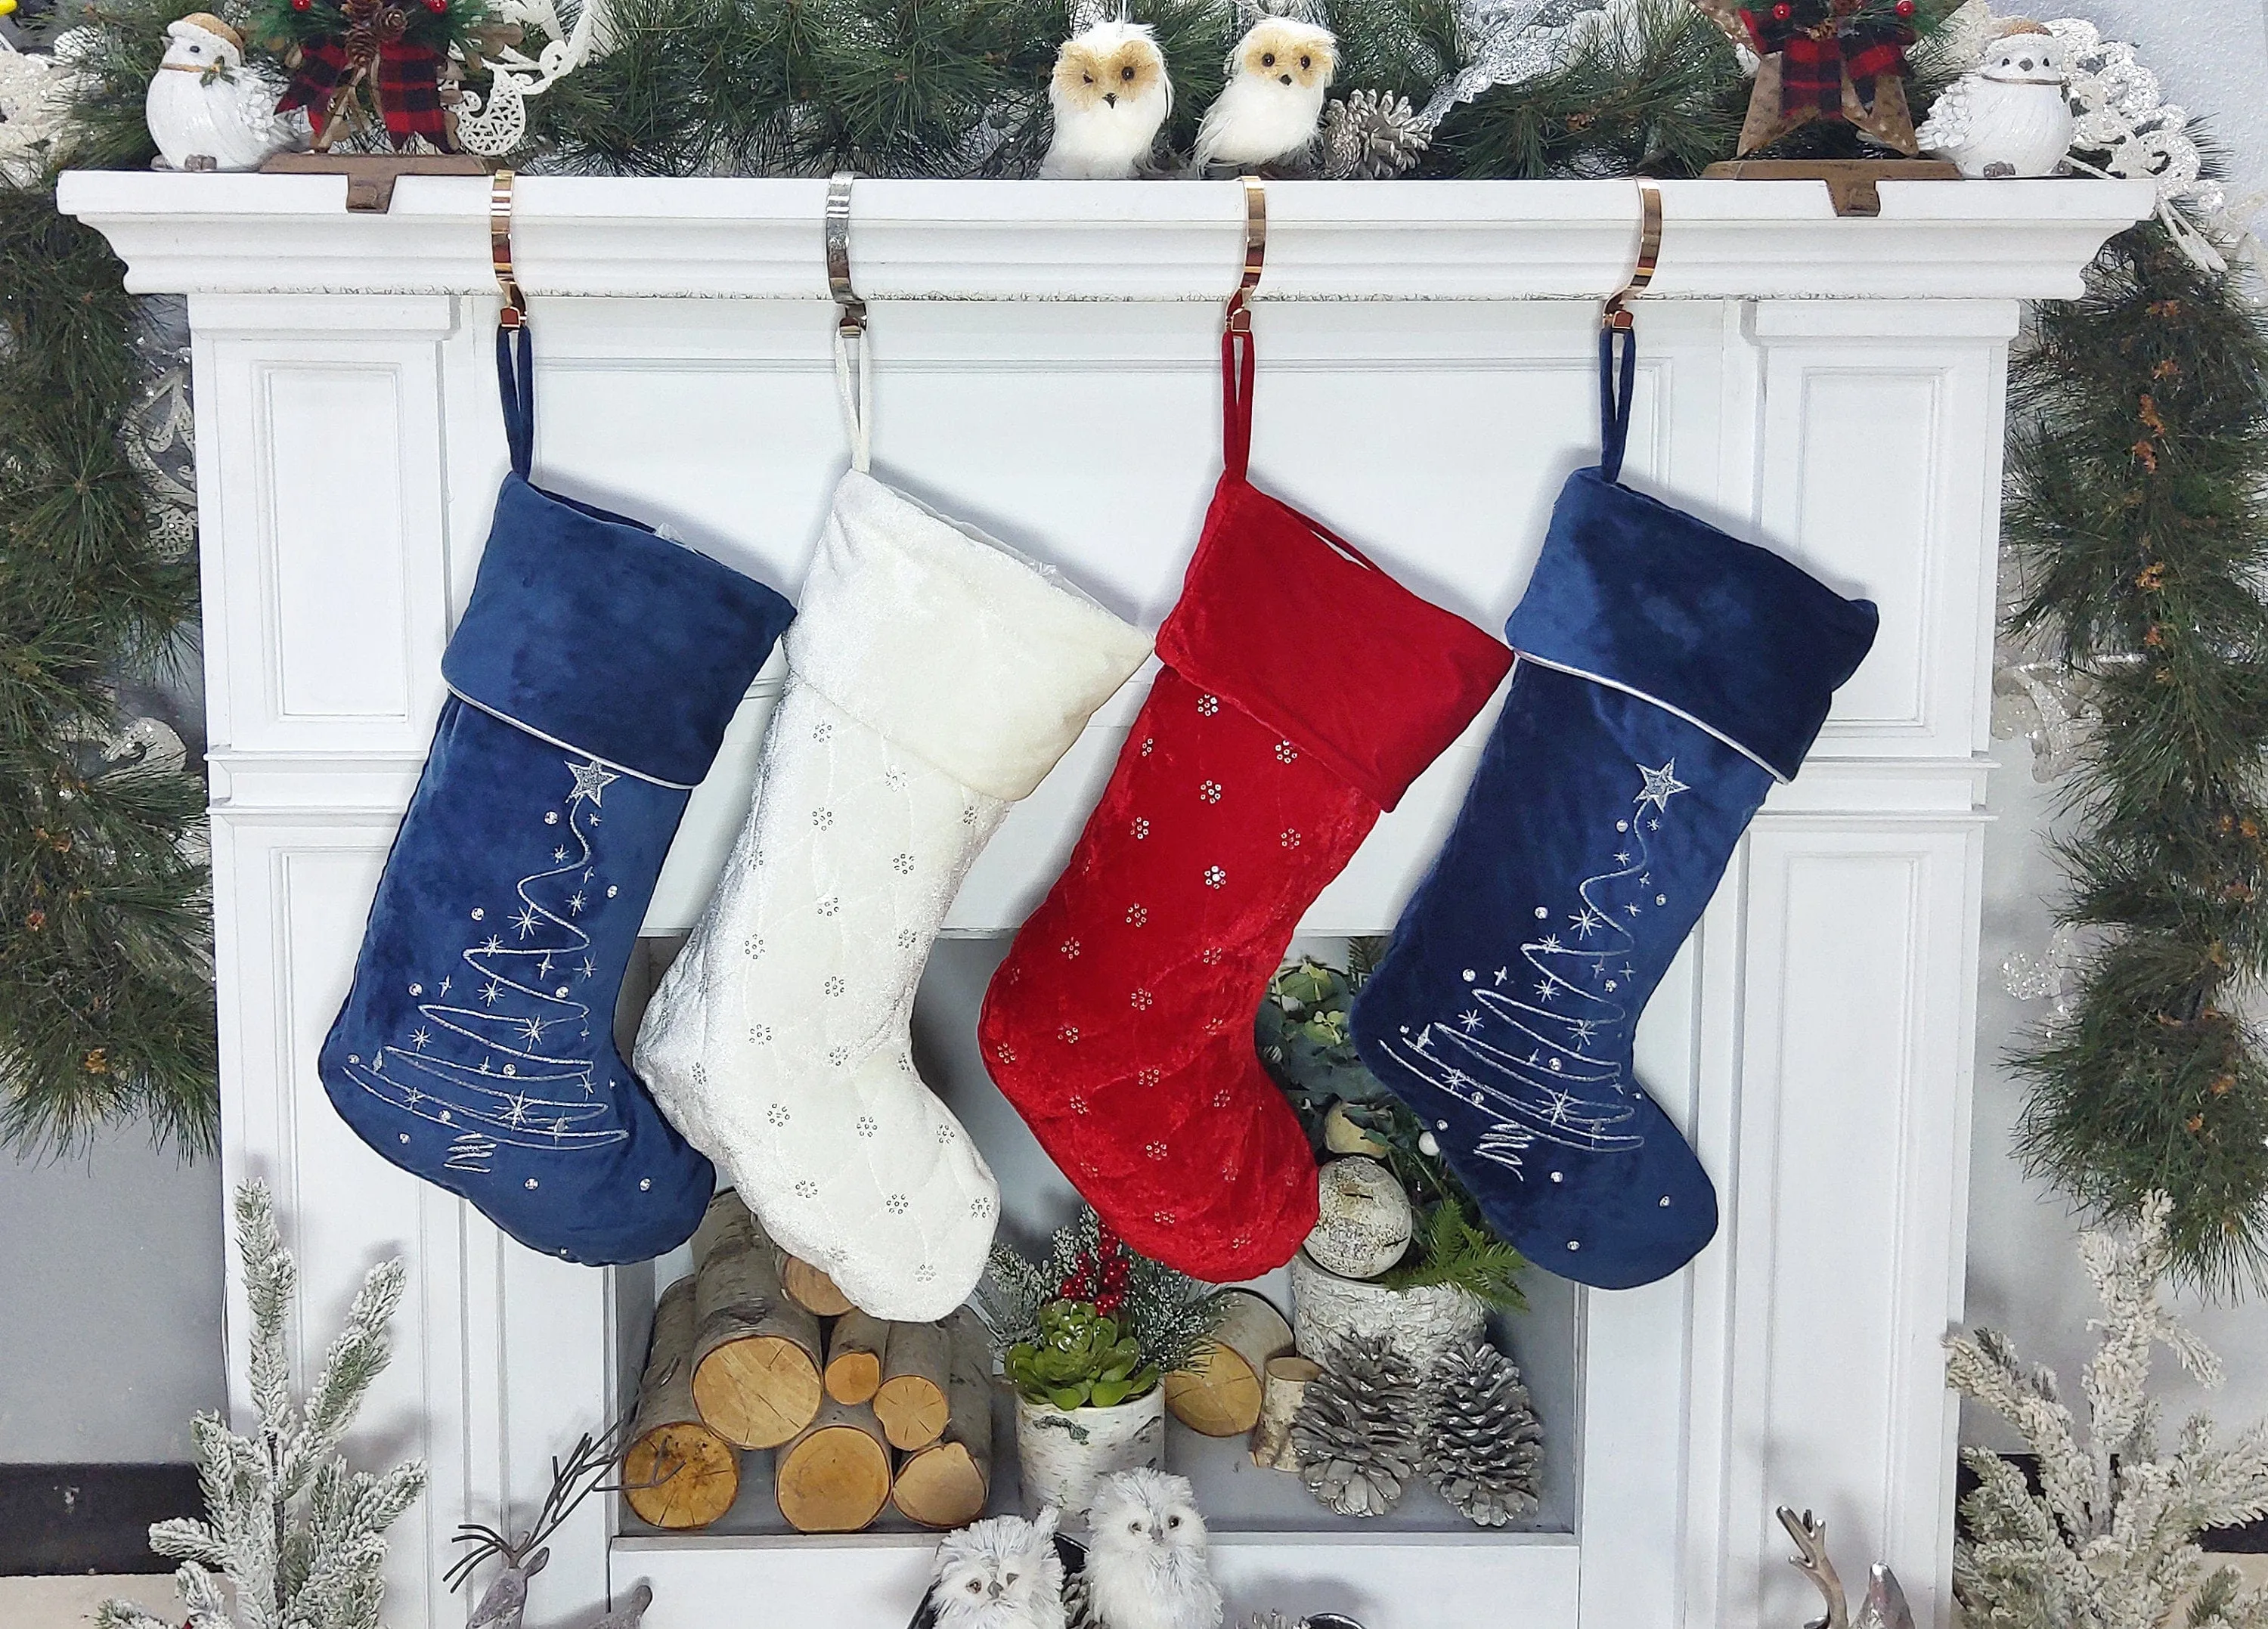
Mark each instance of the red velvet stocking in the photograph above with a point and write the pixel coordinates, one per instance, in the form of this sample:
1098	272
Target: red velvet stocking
1304	689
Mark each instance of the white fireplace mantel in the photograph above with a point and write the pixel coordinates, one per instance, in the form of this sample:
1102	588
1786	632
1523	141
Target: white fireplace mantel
1048	366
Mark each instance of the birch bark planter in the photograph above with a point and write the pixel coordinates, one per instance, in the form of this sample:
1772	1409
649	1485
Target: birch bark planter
1422	1323
1064	1452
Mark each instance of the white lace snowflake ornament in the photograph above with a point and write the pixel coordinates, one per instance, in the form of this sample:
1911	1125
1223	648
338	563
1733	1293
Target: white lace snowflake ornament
34	97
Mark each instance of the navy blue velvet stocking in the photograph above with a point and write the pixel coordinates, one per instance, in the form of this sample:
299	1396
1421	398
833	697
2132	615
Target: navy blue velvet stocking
591	681
1667	673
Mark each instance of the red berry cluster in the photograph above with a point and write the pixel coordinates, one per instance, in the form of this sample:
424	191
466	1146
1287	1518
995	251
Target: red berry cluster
1101	1276
1782	11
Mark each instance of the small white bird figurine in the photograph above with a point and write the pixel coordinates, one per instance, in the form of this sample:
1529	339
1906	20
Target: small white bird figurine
1146	1566
206	110
1269	110
1000	1574
1110	94
2008	116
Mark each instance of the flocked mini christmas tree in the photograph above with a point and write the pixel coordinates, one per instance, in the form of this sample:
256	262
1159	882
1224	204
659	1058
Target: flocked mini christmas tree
296	1534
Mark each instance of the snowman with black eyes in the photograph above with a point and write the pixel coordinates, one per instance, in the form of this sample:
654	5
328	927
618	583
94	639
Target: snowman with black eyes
206	110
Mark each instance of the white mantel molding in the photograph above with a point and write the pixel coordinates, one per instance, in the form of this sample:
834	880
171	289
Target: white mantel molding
1106	240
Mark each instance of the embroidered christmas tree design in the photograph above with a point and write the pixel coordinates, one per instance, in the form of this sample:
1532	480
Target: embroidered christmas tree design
1540	1047
500	1051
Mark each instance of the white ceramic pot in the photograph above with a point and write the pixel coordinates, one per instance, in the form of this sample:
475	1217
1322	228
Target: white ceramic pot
1064	1452
1422	1323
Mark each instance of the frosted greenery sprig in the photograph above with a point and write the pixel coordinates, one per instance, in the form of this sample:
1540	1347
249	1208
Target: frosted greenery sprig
1166	1312
297	1533
2110	1539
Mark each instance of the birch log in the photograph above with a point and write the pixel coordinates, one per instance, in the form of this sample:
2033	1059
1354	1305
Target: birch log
811	1289
1285	1386
1218	1394
854	1356
677	1471
947	1484
835	1477
756	1354
913	1401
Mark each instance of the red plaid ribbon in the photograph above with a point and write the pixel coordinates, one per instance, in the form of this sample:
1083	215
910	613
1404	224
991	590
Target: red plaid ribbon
407	79
1819	43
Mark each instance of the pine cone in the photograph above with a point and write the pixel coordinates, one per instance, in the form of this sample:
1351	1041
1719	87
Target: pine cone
1484	1447
1078	1605
1357	1432
1371	136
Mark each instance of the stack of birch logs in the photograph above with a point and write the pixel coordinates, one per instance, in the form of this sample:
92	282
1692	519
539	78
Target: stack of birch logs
758	1350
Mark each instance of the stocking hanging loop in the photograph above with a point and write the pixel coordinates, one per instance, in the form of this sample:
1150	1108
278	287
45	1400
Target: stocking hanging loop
515	372
855	384
1618	330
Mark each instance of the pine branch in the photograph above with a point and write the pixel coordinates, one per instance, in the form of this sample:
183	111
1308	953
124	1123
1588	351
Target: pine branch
2136	526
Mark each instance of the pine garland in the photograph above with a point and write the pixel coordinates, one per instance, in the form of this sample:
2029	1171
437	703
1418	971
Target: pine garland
2137	522
105	997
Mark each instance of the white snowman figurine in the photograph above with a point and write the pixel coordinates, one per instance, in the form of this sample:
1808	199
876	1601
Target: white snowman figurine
207	111
2006	117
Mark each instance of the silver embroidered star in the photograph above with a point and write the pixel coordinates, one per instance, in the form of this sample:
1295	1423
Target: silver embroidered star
420	1039
516	1110
490	991
524	921
532	1027
1470	1021
1662	784
592	780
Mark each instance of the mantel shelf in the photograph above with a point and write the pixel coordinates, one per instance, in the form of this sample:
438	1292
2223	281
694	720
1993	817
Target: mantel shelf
1071	241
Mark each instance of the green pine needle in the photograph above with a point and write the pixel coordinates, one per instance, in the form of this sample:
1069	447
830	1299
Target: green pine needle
1452	1248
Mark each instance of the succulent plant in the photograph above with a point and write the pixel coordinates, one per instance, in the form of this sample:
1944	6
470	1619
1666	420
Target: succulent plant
1080	1358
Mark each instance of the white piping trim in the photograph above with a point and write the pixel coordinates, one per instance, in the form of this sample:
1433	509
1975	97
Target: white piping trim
1631	690
519	723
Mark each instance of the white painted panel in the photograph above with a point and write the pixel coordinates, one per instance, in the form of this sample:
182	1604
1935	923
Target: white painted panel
1846	1231
1863	513
334	533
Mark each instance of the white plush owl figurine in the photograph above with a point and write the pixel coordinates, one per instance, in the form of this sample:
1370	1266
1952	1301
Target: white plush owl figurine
1269	108
1146	1566
1110	94
2008	116
1001	1573
206	111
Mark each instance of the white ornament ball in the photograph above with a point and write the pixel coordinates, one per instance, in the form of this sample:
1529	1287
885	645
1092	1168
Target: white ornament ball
1366	1219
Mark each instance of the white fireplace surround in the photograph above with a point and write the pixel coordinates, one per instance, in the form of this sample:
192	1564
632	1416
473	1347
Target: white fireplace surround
1047	365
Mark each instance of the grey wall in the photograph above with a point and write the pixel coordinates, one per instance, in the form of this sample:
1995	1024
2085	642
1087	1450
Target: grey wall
110	1304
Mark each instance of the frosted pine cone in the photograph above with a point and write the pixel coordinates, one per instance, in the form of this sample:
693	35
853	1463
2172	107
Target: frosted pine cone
1371	136
1357	1432
1484	1447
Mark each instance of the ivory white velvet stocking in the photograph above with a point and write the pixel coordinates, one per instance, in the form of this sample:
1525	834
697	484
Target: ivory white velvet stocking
934	678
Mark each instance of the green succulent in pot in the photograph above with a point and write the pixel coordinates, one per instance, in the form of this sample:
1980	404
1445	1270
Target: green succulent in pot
1080	1359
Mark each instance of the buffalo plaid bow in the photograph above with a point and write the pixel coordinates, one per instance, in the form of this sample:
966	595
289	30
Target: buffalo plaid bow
1819	42
407	76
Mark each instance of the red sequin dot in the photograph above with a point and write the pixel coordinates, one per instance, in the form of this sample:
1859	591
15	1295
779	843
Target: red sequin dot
1904	8
1782	11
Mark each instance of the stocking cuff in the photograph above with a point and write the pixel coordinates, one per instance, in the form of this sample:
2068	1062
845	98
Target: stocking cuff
1649	600
1308	637
590	630
978	661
